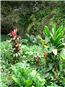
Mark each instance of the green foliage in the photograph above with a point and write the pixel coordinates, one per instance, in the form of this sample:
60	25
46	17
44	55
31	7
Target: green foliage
6	53
27	52
30	52
30	39
26	76
54	36
50	51
31	17
55	42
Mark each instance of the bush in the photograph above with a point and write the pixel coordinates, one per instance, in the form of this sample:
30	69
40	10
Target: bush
26	76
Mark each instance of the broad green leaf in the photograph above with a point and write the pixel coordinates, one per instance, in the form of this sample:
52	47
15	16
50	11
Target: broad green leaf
64	28
58	38
16	80
60	29
54	29
63	58
47	31
28	83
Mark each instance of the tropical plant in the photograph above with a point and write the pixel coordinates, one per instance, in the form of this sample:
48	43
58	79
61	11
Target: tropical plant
53	44
25	76
55	35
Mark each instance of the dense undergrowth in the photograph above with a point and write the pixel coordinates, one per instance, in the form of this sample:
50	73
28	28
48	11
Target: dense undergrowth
31	17
41	62
42	56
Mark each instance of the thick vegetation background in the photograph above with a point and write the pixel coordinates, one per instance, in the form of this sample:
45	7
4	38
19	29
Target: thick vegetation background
31	16
41	26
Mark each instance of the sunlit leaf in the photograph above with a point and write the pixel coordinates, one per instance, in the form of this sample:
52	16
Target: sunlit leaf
47	31
54	51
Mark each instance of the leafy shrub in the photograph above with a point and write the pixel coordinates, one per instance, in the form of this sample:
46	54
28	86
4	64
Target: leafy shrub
54	36
6	52
29	53
26	76
30	39
52	60
54	41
